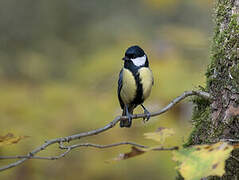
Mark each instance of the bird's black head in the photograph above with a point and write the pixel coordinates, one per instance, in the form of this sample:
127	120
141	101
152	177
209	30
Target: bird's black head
134	52
135	55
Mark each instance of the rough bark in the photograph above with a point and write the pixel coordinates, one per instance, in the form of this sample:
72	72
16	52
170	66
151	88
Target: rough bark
219	119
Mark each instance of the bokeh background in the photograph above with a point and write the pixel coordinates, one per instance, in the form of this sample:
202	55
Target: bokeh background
59	65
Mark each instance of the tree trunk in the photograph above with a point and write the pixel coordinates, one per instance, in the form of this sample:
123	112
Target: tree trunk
219	119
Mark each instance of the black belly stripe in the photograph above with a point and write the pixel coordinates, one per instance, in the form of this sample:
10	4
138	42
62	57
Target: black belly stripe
139	92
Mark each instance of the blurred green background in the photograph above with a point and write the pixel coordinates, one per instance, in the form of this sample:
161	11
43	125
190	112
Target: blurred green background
59	65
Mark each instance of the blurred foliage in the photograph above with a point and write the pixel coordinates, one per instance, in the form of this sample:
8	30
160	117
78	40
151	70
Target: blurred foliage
9	139
59	65
160	135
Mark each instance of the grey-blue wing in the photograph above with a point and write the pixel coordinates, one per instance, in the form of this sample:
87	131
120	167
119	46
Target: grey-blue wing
120	83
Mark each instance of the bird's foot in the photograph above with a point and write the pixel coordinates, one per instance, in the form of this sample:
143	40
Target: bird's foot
127	123
148	115
130	117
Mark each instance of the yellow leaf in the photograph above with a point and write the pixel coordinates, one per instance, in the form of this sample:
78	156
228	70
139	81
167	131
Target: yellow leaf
10	139
201	161
160	135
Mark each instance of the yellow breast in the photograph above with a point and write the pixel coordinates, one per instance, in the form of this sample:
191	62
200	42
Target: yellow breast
129	87
146	77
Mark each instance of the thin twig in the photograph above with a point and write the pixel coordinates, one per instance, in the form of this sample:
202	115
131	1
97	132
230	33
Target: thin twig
38	157
103	146
32	154
99	146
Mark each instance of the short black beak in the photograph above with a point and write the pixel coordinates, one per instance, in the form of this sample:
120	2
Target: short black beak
125	58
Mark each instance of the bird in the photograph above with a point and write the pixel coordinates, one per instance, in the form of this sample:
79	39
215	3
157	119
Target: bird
134	84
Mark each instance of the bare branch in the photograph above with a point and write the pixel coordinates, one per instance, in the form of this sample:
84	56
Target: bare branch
32	154
37	157
99	146
103	146
186	94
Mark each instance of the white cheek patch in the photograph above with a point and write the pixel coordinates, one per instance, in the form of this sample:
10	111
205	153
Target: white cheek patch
139	61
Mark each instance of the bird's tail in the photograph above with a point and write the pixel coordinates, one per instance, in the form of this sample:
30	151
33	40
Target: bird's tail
126	123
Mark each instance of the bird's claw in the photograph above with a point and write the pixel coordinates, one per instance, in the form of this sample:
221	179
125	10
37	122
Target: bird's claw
130	117
148	115
127	123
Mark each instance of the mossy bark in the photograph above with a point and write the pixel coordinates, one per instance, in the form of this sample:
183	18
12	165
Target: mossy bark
219	119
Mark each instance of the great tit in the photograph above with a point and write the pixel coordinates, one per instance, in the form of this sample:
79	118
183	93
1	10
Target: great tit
134	84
